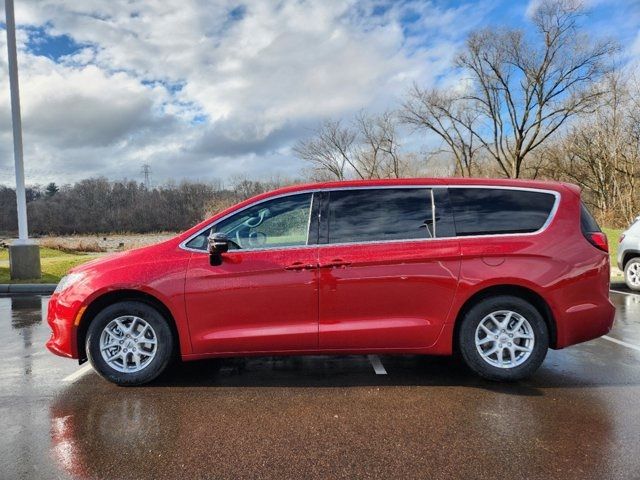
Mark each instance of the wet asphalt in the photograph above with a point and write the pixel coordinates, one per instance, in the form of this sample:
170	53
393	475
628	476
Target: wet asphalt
320	417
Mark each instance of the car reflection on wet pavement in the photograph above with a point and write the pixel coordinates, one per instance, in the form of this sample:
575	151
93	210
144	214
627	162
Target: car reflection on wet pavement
320	417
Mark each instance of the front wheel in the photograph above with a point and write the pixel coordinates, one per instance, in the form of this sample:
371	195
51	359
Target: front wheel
503	338
632	274
129	343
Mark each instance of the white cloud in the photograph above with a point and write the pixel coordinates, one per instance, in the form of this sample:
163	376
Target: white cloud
188	83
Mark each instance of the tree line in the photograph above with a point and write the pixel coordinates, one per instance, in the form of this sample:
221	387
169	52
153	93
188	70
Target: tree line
98	205
548	103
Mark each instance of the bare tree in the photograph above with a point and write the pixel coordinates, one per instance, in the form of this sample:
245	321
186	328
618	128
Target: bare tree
366	148
449	118
520	91
601	153
330	150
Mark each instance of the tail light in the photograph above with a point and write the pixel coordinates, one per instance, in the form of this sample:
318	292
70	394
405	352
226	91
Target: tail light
621	238
598	240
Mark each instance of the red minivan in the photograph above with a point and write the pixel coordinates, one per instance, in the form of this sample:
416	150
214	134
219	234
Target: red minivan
498	270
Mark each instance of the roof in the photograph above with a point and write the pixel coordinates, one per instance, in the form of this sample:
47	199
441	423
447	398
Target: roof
502	182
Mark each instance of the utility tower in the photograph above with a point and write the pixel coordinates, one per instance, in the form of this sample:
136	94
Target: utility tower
146	171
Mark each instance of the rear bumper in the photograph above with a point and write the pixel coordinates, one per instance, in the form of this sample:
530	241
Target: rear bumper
584	322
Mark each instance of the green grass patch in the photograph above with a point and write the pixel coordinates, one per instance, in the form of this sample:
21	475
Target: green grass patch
613	234
55	264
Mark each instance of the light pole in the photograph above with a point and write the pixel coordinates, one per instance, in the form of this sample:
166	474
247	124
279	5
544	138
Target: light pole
24	255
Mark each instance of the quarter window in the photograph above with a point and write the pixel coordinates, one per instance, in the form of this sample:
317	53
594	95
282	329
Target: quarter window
365	215
482	211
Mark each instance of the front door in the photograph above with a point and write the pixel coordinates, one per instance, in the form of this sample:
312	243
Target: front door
386	281
264	295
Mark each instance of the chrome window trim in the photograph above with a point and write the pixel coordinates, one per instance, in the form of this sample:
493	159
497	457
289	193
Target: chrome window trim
550	218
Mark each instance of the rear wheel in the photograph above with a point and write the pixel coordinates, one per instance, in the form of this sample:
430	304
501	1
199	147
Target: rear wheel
129	343
503	338
632	274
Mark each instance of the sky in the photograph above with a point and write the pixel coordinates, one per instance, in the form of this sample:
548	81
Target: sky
211	90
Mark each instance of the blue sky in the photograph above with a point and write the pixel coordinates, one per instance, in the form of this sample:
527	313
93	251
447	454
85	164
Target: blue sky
215	89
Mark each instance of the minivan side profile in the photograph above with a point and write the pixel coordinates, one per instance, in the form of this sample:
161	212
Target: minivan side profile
497	270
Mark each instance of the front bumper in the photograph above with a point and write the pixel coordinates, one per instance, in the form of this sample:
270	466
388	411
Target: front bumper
60	317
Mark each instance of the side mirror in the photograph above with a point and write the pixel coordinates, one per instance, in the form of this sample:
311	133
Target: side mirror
218	244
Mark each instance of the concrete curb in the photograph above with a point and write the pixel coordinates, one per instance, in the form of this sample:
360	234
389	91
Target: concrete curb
32	288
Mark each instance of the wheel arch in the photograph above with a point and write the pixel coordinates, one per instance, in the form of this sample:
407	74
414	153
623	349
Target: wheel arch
114	296
628	255
519	291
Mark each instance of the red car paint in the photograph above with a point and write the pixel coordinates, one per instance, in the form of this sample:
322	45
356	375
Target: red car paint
399	297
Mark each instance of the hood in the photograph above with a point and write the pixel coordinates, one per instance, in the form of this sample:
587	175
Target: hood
128	256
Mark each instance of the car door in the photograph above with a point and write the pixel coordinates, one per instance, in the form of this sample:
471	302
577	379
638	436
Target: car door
389	264
264	295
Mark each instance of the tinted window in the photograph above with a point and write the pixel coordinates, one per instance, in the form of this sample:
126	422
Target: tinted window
274	223
481	211
588	224
379	214
444	216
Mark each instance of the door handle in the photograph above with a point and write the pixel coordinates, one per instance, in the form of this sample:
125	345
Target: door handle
336	262
300	266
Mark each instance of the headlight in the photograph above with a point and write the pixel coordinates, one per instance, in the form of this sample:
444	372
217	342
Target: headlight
68	280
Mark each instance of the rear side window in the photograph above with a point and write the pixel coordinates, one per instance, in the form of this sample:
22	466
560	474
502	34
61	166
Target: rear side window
486	211
588	224
379	214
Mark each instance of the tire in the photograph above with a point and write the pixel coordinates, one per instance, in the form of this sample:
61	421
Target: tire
632	274
143	324
532	335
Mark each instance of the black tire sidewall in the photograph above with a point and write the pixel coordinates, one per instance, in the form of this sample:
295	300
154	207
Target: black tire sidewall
626	273
472	357
164	336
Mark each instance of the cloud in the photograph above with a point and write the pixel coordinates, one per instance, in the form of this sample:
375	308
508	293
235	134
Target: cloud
205	89
107	86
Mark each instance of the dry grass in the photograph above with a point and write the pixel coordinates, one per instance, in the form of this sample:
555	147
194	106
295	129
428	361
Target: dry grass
83	246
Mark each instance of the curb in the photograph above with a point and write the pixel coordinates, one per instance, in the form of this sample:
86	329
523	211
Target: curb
33	288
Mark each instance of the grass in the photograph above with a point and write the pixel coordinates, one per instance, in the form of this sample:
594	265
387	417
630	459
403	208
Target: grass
55	264
613	234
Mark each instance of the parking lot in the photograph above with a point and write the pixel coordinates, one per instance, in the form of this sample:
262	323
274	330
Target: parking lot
320	417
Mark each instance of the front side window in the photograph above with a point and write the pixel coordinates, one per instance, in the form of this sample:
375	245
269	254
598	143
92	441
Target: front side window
281	222
379	214
486	211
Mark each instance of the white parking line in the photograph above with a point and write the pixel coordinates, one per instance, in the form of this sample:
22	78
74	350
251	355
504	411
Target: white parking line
620	342
624	293
78	373
377	364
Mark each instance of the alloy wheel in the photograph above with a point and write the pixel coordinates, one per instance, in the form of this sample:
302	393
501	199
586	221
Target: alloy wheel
504	339
633	274
128	344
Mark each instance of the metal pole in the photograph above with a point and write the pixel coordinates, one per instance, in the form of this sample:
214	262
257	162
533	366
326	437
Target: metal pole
21	198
